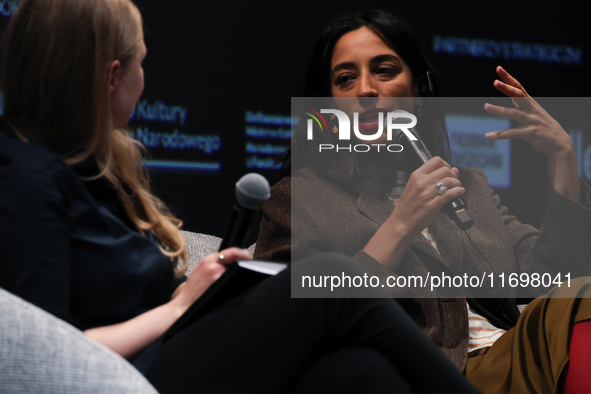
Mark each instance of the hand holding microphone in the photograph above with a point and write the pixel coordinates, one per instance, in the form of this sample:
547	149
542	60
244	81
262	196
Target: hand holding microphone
455	207
216	279
252	190
420	201
416	209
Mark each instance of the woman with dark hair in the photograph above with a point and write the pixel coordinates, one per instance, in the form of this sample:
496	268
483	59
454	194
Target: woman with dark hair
395	34
83	237
392	223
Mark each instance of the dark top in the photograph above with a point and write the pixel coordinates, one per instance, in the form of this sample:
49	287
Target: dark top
68	246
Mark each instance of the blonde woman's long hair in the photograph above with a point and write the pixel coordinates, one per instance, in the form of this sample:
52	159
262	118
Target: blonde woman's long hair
55	77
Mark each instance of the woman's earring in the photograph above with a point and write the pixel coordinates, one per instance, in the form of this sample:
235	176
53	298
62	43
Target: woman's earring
419	110
333	121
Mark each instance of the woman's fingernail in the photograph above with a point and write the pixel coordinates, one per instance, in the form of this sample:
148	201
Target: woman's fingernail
489	135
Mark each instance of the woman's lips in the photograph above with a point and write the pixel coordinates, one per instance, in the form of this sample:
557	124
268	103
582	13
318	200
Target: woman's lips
368	126
369	120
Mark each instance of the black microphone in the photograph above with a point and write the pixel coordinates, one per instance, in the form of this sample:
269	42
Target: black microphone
456	209
252	190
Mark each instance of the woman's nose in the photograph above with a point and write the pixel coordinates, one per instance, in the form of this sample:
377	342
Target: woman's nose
366	87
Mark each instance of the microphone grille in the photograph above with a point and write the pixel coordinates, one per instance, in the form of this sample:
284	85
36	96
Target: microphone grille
402	119
252	190
397	134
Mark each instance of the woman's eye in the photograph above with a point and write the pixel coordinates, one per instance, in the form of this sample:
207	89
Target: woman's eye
343	79
388	71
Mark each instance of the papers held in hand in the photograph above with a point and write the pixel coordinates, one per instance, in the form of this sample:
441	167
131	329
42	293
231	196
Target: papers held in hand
238	278
263	267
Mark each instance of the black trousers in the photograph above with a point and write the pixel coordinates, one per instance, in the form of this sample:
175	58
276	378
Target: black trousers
263	341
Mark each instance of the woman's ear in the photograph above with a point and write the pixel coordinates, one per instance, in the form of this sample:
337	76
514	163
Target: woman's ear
425	85
419	85
114	75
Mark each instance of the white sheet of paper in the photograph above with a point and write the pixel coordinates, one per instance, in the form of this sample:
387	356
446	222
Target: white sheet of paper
264	267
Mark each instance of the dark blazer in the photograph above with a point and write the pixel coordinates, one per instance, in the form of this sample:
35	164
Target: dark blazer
309	214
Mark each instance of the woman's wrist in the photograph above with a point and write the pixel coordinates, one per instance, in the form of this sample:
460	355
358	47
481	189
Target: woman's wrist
132	336
178	306
390	243
564	174
400	230
566	152
563	163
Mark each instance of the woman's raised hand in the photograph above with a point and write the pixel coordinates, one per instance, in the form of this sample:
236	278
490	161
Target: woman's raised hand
210	269
538	128
535	125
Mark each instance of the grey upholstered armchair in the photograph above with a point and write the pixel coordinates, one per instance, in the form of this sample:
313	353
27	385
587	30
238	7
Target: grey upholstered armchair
40	353
200	245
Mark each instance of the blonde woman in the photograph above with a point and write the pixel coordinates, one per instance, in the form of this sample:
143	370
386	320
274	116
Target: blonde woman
83	237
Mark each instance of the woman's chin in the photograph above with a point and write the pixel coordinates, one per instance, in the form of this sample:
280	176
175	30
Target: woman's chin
120	124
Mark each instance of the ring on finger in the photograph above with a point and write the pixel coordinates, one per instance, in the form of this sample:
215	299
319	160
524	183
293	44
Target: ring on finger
221	257
441	188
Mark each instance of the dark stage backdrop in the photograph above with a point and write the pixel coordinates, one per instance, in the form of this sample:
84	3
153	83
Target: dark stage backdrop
220	75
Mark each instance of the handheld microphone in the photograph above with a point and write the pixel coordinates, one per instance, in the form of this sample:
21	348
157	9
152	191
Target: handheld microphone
456	209
252	190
